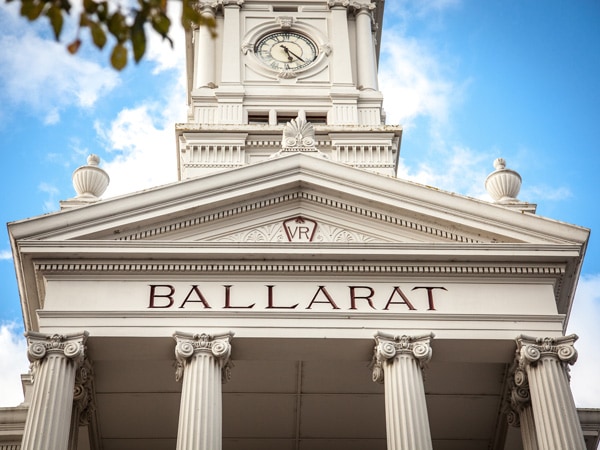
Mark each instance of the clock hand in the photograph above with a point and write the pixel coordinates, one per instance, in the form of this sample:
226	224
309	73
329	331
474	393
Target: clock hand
289	52
285	49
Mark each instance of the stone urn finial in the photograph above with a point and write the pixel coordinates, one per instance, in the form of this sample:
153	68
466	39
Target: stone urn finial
90	181
503	184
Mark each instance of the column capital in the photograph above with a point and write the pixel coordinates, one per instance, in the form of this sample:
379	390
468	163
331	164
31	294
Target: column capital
531	350
387	347
362	6
71	346
338	4
191	344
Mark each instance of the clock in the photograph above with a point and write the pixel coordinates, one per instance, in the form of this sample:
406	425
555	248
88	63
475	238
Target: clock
286	51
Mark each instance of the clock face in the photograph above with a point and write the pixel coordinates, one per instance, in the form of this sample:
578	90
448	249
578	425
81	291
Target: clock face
286	50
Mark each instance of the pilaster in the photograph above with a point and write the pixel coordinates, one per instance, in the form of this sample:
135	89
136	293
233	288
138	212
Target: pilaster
544	362
398	362
341	70
203	364
231	62
54	363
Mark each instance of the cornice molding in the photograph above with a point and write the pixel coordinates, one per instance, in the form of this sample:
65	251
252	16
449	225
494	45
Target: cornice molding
182	268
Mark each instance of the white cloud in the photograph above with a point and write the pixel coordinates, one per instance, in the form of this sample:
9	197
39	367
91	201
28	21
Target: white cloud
159	50
584	321
52	193
5	254
13	363
413	82
146	148
458	169
40	74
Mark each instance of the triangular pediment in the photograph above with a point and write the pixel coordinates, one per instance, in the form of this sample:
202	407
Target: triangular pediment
253	203
304	216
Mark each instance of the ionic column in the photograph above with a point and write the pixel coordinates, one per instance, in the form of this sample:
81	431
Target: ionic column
54	362
205	61
520	412
202	362
365	49
545	363
398	363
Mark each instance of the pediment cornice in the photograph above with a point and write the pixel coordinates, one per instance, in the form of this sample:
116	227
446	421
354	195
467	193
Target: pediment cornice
272	231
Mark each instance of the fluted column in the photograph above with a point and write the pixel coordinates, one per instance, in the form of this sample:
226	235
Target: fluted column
520	412
54	362
202	362
365	49
398	363
545	363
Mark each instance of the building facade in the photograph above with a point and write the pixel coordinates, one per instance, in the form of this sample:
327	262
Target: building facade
288	292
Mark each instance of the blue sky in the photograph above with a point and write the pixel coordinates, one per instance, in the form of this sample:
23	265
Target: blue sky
469	80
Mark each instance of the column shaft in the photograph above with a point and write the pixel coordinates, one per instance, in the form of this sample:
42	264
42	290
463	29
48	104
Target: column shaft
399	362
231	63
556	421
341	70
528	433
55	360
201	359
365	50
205	60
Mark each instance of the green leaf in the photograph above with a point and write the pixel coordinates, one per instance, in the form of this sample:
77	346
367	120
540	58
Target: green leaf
118	27
102	11
90	6
98	35
118	58
31	9
138	36
54	13
189	15
161	23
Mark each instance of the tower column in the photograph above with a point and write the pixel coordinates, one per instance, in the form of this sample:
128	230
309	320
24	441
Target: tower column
544	361
205	60
398	363
202	363
341	71
54	363
231	64
365	51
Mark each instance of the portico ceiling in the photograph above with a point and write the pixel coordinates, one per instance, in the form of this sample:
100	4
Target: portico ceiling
309	394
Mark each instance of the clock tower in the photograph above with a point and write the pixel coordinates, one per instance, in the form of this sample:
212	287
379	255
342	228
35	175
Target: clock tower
274	61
